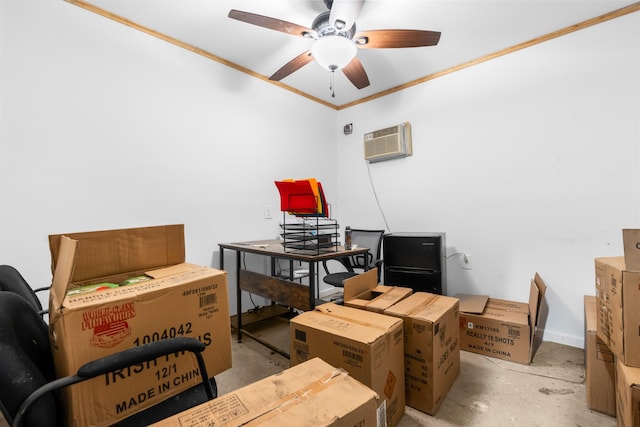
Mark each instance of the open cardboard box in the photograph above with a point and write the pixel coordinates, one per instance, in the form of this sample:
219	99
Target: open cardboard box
180	299
364	292
500	328
311	393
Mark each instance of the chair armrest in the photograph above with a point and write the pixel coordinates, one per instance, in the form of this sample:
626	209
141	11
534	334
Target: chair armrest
139	354
344	261
44	310
122	360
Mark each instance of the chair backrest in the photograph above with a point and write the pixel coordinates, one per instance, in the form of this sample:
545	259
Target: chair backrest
371	239
27	362
11	280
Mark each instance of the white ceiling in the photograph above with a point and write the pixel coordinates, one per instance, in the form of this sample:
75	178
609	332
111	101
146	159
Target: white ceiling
470	30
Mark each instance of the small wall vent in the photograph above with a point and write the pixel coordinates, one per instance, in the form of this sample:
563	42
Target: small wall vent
388	143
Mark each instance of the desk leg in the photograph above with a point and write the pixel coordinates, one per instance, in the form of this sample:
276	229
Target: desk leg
312	285
238	296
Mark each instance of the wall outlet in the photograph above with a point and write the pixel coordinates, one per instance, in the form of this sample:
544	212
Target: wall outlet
467	262
267	212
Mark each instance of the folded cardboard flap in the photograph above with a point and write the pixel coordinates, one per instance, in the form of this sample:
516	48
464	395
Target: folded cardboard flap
62	273
358	285
110	252
363	326
420	304
470	303
631	241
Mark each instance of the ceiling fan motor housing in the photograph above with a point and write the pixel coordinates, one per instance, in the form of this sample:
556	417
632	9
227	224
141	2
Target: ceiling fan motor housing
322	26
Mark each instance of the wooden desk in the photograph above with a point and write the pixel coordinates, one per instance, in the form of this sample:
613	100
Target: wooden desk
285	292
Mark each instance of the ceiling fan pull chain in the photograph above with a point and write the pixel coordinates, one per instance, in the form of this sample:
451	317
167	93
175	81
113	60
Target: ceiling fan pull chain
332	85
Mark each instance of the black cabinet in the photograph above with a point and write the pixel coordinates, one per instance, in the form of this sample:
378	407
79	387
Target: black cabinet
415	260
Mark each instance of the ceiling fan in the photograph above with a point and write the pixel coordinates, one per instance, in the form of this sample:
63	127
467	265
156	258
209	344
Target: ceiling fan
336	41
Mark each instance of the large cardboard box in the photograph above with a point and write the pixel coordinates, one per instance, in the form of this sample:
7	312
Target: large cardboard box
501	329
364	292
600	366
431	348
618	296
180	299
368	345
311	394
627	395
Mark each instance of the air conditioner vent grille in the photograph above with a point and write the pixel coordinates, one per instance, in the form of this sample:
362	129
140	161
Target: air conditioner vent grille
388	143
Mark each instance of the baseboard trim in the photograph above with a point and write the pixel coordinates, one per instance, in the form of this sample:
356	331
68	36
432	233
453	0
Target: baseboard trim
569	340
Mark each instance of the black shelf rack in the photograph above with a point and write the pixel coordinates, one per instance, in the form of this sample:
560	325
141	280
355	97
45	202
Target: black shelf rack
309	234
312	231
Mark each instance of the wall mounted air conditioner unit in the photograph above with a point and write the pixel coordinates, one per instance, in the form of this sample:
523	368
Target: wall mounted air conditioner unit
388	143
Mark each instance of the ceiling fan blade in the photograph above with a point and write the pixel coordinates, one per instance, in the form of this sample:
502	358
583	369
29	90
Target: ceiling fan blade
272	23
294	65
381	39
356	74
344	13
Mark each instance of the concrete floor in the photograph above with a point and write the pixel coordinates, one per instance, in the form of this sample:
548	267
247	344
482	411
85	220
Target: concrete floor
488	392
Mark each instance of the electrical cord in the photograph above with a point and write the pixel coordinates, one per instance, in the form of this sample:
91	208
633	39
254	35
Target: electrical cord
377	200
256	308
465	258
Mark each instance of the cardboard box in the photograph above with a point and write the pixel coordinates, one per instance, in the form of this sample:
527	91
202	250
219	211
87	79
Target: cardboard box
181	299
627	395
363	292
502	330
631	241
600	367
431	348
618	297
370	346
311	394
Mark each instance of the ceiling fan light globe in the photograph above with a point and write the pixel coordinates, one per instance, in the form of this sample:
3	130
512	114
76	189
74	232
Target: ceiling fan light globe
333	52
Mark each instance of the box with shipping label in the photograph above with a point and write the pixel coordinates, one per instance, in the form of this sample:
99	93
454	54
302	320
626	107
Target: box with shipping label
618	298
362	291
310	394
145	292
627	395
431	348
505	330
600	367
370	346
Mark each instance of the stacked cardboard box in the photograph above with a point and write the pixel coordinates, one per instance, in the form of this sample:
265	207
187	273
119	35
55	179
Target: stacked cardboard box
177	299
600	367
370	346
618	323
500	328
310	394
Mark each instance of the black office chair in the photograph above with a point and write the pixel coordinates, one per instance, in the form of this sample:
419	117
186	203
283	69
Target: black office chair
28	387
371	239
11	280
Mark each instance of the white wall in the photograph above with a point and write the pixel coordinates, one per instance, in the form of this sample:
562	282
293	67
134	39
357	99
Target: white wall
105	127
528	162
